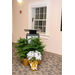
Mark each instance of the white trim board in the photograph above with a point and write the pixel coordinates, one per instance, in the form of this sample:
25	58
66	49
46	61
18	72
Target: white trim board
39	4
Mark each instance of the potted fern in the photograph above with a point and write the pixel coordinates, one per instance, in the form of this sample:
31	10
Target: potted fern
21	51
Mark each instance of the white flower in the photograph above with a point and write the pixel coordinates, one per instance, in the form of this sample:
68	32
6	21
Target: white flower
31	53
28	53
35	54
38	58
36	51
29	58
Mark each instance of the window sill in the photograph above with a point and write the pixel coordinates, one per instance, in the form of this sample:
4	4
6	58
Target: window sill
44	36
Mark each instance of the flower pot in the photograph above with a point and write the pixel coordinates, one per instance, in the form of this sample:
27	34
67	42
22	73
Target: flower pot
39	62
33	65
25	62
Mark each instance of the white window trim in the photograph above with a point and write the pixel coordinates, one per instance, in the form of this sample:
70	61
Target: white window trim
40	4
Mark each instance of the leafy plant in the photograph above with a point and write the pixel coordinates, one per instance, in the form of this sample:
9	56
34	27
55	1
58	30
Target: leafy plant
20	48
36	44
23	47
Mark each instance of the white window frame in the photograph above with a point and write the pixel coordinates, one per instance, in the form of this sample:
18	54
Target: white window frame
39	4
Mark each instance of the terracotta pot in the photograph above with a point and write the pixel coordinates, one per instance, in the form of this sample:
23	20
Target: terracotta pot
25	62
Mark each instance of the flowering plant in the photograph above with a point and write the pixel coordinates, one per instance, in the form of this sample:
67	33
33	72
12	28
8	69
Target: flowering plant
31	55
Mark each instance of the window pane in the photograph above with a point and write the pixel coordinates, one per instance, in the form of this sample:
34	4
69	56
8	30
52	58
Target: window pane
44	23
44	29
35	27
42	10
37	16
36	22
37	10
40	28
41	16
40	23
44	16
45	9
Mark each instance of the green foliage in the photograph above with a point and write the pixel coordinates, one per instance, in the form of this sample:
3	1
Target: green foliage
23	47
20	48
32	59
36	44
